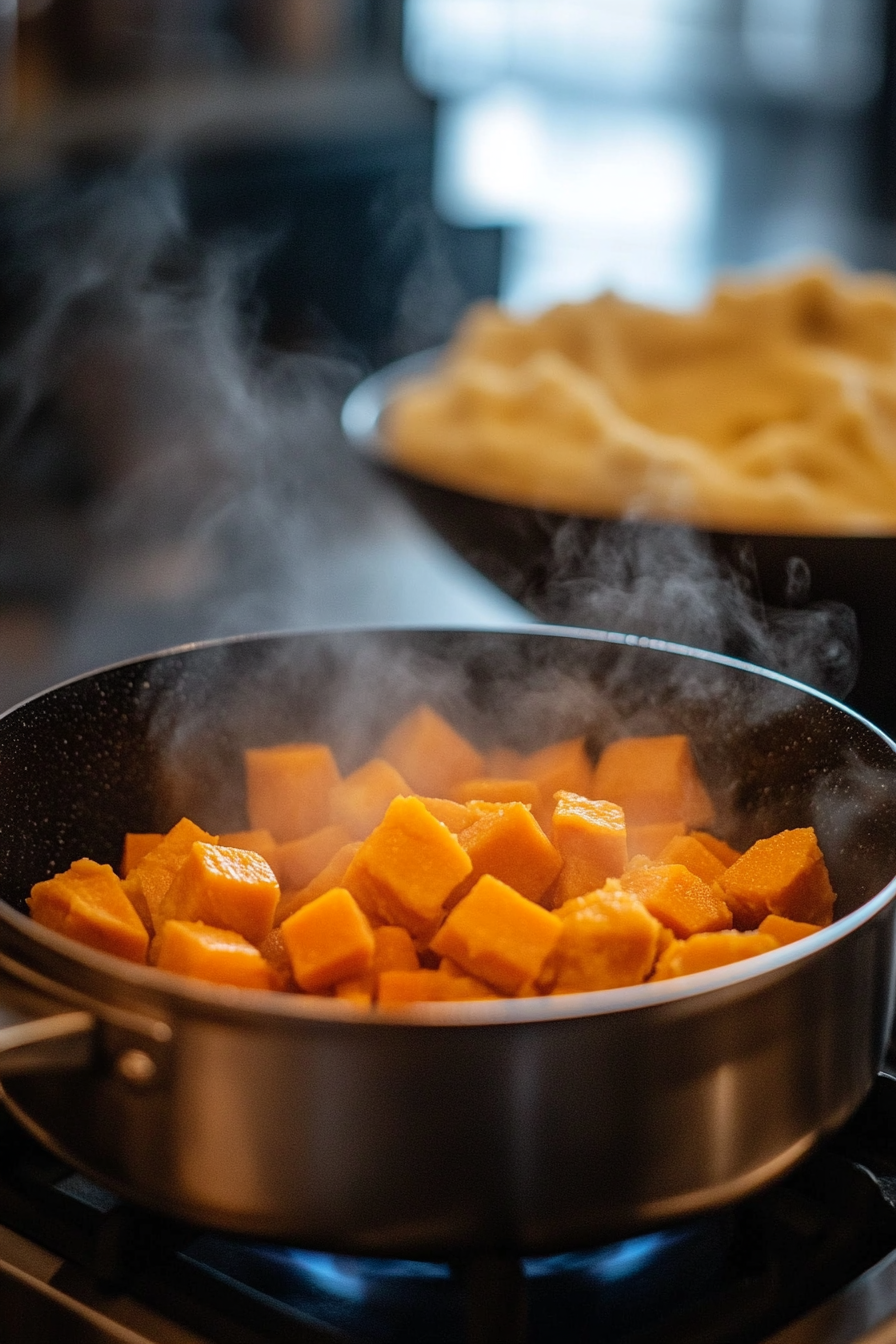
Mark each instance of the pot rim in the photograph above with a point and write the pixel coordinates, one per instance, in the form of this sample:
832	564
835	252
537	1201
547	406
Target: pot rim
148	981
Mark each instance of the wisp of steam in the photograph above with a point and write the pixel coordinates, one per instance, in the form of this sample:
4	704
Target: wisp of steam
666	581
210	472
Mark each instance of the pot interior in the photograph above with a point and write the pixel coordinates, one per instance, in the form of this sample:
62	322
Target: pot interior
137	746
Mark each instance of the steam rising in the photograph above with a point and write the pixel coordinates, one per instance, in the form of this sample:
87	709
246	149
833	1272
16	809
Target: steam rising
666	582
215	475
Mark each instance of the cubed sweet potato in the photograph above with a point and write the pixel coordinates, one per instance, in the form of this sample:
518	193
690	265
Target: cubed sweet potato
449	967
147	884
429	753
288	788
786	931
224	888
687	849
88	903
407	867
706	951
328	941
259	842
488	790
607	940
357	989
653	779
453	815
393	950
137	844
503	763
205	953
273	949
679	899
783	875
590	837
507	842
396	988
498	936
331	875
562	765
359	802
653	837
722	850
299	861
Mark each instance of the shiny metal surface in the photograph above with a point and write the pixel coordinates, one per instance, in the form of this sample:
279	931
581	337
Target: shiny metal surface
531	1124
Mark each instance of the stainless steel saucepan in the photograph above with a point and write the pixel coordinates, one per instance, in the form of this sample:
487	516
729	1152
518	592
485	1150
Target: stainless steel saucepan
527	1124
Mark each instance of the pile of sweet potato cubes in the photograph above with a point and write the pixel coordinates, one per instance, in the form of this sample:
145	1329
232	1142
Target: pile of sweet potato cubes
434	873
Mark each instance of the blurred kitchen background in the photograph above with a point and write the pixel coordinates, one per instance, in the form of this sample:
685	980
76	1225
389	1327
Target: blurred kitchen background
216	216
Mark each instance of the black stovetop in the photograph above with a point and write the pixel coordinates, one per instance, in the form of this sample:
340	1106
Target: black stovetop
813	1258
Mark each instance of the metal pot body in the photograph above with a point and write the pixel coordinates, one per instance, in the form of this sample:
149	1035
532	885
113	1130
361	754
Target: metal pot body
532	1124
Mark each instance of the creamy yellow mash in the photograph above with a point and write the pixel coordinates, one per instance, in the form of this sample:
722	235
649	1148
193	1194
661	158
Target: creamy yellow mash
773	408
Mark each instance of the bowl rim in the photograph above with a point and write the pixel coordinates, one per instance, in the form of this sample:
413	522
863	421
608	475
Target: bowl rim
172	993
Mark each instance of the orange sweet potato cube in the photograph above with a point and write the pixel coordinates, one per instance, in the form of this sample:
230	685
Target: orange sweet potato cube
679	899
225	888
453	815
396	988
688	850
507	842
783	875
503	763
330	876
359	802
706	951
260	842
407	867
449	967
563	765
298	861
722	850
205	953
273	949
490	790
608	939
429	753
785	930
137	844
88	903
590	837
476	792
328	941
653	837
357	989
653	779
288	788
498	936
392	951
147	884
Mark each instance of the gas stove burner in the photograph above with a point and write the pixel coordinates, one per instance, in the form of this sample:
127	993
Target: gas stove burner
612	1290
812	1258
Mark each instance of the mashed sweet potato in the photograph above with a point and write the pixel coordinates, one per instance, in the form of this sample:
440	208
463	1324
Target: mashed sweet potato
770	409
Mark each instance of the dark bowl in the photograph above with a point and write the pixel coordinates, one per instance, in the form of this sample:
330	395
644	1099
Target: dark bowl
821	608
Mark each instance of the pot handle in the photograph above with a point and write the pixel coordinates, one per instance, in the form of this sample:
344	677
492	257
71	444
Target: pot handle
39	1033
45	1025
